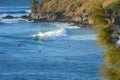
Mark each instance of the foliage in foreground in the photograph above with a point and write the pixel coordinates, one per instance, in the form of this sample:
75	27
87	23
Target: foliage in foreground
107	38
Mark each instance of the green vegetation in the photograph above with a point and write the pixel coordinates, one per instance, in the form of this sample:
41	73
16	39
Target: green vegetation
34	4
67	7
66	10
107	38
115	7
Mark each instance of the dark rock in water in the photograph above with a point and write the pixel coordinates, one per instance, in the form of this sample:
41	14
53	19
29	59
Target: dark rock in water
18	45
66	58
25	17
36	38
8	17
40	51
69	45
21	20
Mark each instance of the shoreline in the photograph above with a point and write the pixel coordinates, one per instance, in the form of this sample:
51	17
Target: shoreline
74	23
83	24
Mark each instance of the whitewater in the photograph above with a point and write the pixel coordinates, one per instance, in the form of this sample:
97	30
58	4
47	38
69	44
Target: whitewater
50	35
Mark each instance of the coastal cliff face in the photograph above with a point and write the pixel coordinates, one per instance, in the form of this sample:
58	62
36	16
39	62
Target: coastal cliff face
63	10
59	10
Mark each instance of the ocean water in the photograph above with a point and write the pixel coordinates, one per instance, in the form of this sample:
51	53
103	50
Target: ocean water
15	8
45	51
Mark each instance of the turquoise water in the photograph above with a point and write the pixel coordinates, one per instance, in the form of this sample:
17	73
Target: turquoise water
46	51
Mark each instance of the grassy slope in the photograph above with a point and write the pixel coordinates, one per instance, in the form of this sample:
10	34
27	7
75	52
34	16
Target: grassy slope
69	8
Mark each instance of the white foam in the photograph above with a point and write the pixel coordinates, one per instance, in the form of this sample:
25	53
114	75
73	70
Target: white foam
73	27
66	26
28	11
4	15
82	37
51	35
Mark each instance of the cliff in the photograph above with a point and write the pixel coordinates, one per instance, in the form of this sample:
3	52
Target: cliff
63	10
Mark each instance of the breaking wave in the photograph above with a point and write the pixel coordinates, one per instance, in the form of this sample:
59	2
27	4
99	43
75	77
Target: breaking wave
50	35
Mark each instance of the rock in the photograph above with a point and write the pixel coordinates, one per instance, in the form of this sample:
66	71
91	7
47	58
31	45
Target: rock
8	17
25	17
40	51
19	45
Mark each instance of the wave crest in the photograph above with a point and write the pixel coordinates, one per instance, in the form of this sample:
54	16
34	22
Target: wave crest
50	35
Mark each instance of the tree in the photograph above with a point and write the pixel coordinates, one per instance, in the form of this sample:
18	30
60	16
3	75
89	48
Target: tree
34	4
107	39
115	7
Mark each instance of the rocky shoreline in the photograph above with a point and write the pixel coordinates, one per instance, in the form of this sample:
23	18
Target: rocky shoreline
12	17
71	11
52	17
81	21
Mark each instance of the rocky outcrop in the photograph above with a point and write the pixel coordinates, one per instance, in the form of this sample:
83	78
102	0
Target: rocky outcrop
25	17
64	11
8	17
43	16
79	20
